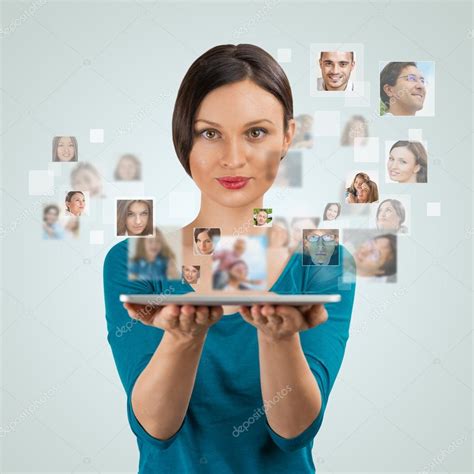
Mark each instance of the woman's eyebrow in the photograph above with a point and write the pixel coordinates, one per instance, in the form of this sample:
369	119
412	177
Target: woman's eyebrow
253	122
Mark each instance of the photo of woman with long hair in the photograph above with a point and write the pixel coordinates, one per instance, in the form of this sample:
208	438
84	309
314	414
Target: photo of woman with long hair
152	259
134	217
407	163
193	375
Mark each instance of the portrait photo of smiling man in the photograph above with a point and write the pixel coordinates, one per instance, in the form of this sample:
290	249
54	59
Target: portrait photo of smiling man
404	88
336	68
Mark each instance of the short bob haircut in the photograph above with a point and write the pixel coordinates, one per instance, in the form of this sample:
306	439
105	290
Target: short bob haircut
389	75
421	157
219	66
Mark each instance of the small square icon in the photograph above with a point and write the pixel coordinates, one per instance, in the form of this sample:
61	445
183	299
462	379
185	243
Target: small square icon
433	209
96	135
41	183
284	55
327	123
96	237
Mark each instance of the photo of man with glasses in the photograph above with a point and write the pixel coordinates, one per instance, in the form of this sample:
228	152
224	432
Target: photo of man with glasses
402	89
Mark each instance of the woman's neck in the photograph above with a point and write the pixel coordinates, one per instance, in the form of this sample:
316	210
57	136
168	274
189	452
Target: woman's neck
231	220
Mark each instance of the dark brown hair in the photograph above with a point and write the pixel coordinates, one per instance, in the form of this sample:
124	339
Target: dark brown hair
123	205
389	75
421	157
219	66
69	196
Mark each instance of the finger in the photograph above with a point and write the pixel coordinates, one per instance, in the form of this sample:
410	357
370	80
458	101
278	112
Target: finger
268	310
187	318
317	315
257	316
216	313
170	316
246	314
202	315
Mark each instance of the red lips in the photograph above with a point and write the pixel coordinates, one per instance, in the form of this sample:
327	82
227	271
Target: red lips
233	182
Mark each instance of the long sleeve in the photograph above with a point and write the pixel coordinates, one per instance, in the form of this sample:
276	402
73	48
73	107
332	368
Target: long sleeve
323	345
132	343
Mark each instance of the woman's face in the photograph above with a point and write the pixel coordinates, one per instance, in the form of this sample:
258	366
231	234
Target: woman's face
387	217
239	140
190	274
86	180
51	216
137	218
152	248
332	212
65	150
320	245
77	204
371	255
402	166
262	218
127	169
363	193
238	271
358	182
204	244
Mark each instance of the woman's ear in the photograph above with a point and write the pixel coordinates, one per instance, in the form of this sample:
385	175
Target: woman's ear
289	134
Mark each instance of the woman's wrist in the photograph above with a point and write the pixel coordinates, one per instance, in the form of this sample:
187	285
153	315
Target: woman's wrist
184	341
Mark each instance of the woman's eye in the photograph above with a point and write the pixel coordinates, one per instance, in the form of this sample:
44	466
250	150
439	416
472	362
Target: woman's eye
209	134
257	132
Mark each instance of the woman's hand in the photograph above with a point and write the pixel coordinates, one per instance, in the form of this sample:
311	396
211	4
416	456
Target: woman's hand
282	322
183	321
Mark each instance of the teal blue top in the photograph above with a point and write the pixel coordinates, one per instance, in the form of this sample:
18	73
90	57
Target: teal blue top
225	430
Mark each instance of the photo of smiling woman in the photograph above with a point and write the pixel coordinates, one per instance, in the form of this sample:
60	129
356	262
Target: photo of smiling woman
65	149
407	163
134	217
229	389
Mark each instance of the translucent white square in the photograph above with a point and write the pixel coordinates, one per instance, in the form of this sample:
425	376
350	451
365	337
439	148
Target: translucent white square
415	134
284	55
433	209
96	237
359	97
327	123
41	183
96	135
183	205
366	149
56	168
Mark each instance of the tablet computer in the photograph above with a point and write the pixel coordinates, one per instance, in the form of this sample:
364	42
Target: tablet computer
229	300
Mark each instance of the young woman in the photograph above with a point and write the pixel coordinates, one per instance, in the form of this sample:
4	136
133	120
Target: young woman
153	259
135	217
65	149
128	168
331	211
391	216
367	193
85	177
75	203
408	162
355	187
190	274
239	389
205	240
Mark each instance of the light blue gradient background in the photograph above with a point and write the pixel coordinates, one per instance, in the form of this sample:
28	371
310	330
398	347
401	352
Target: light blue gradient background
402	402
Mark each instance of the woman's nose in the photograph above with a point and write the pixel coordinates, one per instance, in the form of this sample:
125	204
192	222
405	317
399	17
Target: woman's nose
234	154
